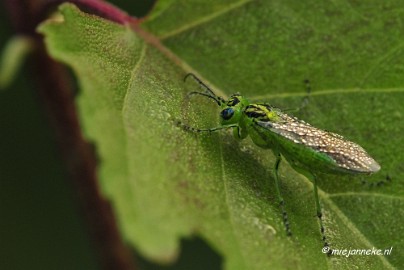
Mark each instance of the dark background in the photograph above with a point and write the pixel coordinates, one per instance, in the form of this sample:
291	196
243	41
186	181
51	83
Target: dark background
40	223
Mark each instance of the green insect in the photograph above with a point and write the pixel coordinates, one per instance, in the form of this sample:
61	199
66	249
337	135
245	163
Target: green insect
308	150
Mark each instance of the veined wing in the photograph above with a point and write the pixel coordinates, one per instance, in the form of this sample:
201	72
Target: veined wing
346	154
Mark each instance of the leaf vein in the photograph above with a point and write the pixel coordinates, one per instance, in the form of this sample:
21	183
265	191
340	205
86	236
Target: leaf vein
204	19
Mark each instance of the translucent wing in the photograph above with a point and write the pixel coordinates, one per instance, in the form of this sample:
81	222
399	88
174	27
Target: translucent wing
346	154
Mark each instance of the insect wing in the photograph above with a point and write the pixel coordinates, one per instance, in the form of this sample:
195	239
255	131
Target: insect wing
346	154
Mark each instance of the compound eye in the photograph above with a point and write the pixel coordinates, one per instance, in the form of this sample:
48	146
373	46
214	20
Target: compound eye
227	113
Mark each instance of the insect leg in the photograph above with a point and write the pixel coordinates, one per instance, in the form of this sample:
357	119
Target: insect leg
280	199
305	99
376	184
198	130
320	214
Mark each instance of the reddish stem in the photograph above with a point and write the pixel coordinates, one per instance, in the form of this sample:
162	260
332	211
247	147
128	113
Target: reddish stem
97	7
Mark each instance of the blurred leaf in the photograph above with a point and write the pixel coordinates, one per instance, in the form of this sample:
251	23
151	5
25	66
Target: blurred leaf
166	183
12	57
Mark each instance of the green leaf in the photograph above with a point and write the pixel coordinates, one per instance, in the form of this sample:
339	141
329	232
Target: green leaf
166	183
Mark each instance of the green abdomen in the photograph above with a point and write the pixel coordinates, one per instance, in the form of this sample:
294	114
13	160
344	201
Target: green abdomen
298	155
